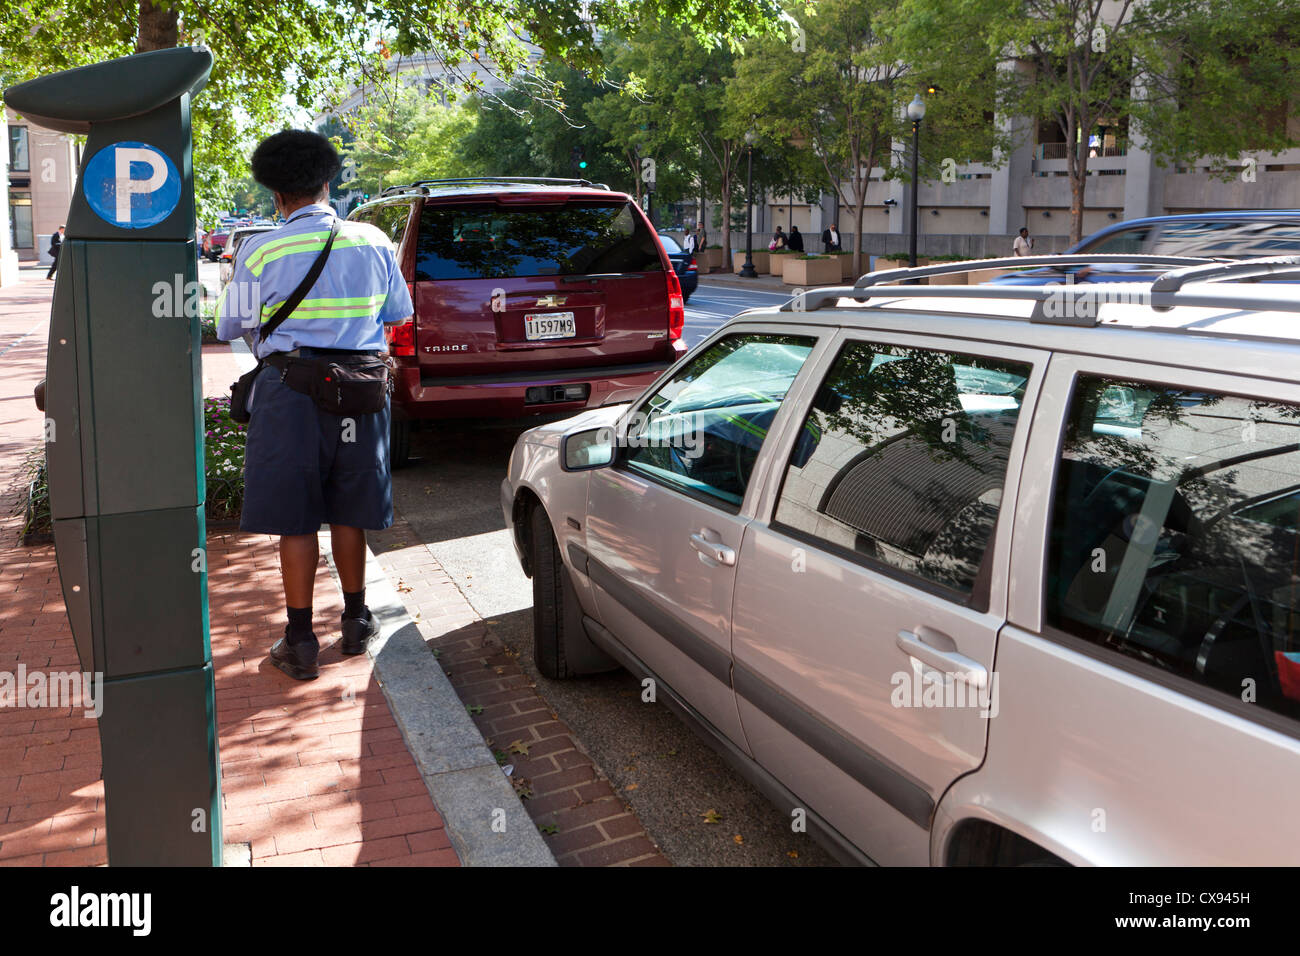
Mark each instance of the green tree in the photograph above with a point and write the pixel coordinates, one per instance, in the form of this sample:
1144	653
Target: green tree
401	136
270	57
1194	78
680	86
835	89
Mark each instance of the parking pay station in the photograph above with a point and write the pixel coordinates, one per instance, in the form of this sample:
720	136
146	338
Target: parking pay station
125	446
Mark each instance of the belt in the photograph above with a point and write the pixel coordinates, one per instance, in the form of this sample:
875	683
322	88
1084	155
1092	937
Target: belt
297	353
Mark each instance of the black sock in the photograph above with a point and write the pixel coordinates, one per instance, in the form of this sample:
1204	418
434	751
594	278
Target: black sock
300	625
354	603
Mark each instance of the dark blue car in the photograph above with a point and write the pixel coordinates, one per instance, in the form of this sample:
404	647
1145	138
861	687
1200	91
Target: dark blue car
688	272
1228	235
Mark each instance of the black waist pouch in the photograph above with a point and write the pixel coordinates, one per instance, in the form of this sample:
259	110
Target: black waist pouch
239	391
339	384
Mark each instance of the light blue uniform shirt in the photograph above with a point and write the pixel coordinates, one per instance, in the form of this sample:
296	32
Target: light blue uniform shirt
359	291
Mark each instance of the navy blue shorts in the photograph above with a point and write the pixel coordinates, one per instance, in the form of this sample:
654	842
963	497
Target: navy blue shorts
304	467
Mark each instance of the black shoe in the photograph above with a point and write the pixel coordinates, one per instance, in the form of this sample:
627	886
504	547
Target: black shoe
296	660
358	630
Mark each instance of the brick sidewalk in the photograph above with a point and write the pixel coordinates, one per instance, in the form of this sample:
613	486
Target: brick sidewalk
313	773
584	820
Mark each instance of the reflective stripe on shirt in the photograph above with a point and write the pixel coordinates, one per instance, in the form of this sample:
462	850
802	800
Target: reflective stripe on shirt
359	290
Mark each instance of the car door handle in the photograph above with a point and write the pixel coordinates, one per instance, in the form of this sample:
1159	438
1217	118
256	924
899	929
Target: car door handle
921	645
714	550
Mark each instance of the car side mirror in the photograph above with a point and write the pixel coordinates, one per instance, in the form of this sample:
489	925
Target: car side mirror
583	451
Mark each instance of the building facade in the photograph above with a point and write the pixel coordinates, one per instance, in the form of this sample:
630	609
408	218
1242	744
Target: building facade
41	175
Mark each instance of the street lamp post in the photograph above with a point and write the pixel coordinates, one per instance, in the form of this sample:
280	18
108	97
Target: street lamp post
748	271
916	113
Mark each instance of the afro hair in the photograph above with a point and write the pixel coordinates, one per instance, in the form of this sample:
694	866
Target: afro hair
295	162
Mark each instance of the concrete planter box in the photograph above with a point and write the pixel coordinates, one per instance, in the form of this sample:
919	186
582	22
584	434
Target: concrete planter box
983	275
708	260
811	272
776	262
956	278
845	261
882	264
759	258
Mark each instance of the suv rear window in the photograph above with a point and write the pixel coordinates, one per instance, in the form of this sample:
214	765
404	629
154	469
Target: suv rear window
493	242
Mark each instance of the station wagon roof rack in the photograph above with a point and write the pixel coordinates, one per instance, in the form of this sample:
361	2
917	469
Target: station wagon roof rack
974	265
425	184
1237	269
870	286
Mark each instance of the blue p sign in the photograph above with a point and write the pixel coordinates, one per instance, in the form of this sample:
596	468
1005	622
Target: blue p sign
132	185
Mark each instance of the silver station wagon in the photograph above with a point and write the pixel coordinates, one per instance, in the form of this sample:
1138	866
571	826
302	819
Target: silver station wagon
959	575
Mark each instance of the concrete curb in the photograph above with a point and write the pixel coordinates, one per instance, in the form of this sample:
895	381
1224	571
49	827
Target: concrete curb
467	785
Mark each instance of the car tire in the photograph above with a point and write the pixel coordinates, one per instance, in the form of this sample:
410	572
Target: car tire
399	443
561	648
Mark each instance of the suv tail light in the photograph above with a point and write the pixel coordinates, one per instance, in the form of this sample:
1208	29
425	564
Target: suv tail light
676	307
401	338
691	266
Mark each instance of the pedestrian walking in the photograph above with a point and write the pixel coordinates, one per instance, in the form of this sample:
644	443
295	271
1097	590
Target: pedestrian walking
691	243
831	239
56	243
1023	246
309	458
795	242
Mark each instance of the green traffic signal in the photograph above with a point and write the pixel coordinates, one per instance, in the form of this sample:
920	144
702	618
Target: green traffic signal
582	165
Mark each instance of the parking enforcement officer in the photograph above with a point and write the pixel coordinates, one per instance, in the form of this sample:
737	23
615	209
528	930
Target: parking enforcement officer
305	467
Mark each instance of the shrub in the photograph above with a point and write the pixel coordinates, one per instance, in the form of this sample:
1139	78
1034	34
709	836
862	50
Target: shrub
35	505
223	458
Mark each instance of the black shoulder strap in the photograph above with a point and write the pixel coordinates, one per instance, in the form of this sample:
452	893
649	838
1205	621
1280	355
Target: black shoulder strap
288	305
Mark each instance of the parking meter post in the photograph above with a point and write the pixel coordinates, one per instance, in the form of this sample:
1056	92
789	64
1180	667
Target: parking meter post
125	456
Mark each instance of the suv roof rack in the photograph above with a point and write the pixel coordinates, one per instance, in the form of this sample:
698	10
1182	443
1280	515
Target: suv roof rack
424	184
869	286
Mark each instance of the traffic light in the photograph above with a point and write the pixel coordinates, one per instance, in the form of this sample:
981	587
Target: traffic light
578	158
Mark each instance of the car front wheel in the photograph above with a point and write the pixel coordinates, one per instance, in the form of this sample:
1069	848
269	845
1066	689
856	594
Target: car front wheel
561	648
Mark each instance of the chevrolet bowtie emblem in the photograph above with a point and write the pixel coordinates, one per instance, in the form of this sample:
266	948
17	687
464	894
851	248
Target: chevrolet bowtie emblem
549	301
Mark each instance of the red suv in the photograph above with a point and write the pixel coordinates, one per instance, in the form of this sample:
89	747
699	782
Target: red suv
532	296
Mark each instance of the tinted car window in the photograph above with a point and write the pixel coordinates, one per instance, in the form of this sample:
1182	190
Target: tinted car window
1175	535
391	219
902	459
1120	243
490	241
703	429
1241	240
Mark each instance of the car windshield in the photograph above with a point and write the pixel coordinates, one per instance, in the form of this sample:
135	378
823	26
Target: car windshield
670	244
483	241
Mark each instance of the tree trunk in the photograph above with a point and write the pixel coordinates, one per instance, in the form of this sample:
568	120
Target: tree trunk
158	28
1077	167
726	221
858	263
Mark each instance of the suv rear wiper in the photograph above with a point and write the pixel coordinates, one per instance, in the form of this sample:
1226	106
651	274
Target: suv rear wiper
592	276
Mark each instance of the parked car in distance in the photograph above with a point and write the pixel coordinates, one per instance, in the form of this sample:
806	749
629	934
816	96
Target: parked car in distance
532	297
957	578
231	248
1245	234
688	270
214	242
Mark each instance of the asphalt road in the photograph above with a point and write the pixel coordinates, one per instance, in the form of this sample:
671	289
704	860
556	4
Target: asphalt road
670	777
